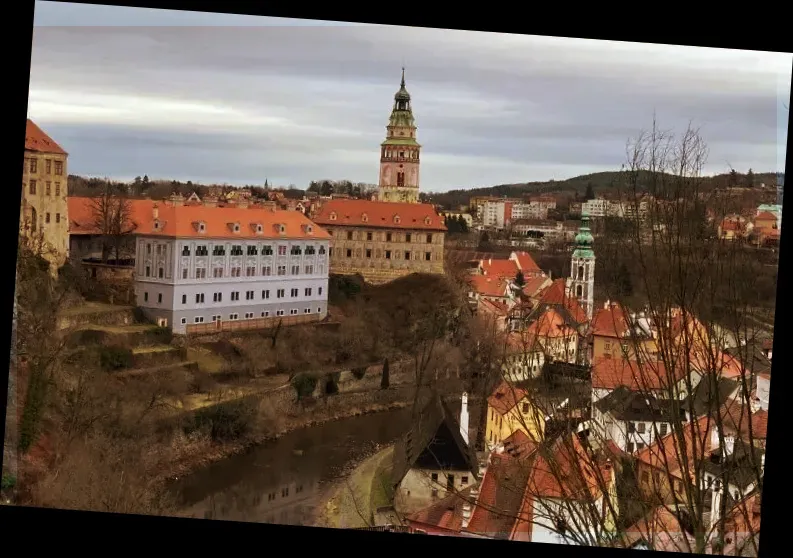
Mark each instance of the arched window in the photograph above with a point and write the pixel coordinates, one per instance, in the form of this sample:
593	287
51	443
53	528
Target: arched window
400	179
580	271
579	290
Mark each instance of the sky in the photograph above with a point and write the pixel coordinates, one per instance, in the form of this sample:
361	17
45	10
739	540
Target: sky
222	98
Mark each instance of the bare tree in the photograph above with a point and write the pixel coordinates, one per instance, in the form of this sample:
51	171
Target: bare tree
111	212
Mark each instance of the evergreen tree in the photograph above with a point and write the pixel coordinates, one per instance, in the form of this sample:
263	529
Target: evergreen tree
590	192
463	224
520	281
750	179
733	178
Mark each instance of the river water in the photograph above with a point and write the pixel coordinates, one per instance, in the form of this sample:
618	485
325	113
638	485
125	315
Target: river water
285	480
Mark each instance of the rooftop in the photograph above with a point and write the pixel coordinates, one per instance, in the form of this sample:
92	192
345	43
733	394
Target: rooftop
37	140
378	214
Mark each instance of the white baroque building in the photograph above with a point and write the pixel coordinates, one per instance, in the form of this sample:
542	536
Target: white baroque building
197	265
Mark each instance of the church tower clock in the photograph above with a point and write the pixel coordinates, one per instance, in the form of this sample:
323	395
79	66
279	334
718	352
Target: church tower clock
400	153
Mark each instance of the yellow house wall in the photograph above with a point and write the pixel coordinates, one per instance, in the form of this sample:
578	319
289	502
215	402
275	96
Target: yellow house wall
500	427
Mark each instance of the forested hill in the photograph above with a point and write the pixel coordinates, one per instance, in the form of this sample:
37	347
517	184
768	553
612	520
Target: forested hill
601	182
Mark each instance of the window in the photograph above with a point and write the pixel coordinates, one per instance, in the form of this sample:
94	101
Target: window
216	318
161	272
429	239
47	217
201	273
631	427
148	271
310	250
295	251
293	311
663	429
319	291
250	271
428	256
184	299
309	270
295	270
293	293
265	314
388	254
218	250
464	481
279	293
349	235
319	310
281	270
59	168
199	298
198	319
146	297
388	237
640	445
34	165
48	188
234	316
407	254
407	237
330	253
279	313
236	271
252	251
629	447
368	253
248	315
32	187
434	477
307	311
321	250
235	295
236	250
217	297
349	253
282	250
580	271
368	236
449	482
184	320
525	408
267	271
265	294
640	428
159	298
217	272
201	251
308	291
249	295
267	251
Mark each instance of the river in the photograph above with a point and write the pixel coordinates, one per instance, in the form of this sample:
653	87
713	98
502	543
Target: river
285	480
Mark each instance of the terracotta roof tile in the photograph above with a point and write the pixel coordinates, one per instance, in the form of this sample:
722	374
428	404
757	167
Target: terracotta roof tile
535	284
555	294
661	530
610	322
506	269
550	324
610	373
666	453
82	220
567	473
525	262
488	286
766	216
505	397
377	214
37	140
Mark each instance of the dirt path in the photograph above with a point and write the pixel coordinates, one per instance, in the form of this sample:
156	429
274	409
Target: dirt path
352	499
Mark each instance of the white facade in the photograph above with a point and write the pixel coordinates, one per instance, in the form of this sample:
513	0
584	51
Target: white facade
494	213
629	436
201	280
763	393
531	210
582	281
423	487
522	366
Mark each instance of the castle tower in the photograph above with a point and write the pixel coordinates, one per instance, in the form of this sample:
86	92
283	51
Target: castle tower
399	153
582	269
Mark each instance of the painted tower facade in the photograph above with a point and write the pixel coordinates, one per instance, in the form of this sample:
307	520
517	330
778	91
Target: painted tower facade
581	283
400	153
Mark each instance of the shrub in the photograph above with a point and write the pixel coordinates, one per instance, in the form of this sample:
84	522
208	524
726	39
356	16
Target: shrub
8	482
226	421
163	335
115	357
304	385
359	373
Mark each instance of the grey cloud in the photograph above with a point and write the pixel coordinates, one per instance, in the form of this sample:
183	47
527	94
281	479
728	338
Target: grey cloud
513	107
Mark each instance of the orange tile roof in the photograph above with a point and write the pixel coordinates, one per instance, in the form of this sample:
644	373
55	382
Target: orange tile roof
662	530
555	294
610	322
766	216
610	373
446	514
526	262
534	284
82	220
574	475
488	286
377	214
667	452
550	324
494	307
37	140
506	269
505	397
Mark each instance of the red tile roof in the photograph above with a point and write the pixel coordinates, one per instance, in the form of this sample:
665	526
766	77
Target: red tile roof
444	515
555	294
488	286
661	530
377	214
667	452
494	307
610	322
550	324
505	397
535	284
525	262
506	269
37	140
610	373
765	216
573	476
82	219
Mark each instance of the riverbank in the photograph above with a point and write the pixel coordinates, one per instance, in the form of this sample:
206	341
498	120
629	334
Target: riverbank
352	502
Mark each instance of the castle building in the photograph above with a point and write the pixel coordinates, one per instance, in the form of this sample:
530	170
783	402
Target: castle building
44	213
400	153
395	235
201	268
581	283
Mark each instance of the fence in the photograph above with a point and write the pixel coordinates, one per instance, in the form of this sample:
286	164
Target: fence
249	324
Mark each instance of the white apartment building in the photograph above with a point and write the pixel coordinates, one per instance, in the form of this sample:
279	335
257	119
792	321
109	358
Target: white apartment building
531	210
199	264
599	207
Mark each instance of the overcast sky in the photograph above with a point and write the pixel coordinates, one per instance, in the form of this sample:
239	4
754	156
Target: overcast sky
237	99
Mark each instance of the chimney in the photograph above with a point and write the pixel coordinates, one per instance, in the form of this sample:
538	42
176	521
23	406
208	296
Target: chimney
464	417
466	515
715	503
490	261
155	212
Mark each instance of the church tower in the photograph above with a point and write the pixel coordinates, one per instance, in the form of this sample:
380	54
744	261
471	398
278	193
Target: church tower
399	153
581	283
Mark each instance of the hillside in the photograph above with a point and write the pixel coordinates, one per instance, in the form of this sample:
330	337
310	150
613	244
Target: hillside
603	183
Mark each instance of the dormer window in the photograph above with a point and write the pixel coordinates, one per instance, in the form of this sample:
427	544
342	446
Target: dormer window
308	228
200	226
280	228
427	221
258	228
364	217
156	224
397	219
235	227
332	215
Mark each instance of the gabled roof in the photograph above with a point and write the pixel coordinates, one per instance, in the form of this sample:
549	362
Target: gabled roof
627	405
660	530
555	294
550	324
488	286
535	284
506	269
378	214
611	373
37	140
525	262
505	397
445	514
434	441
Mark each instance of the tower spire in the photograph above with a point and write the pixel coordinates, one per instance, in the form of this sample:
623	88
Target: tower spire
403	77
